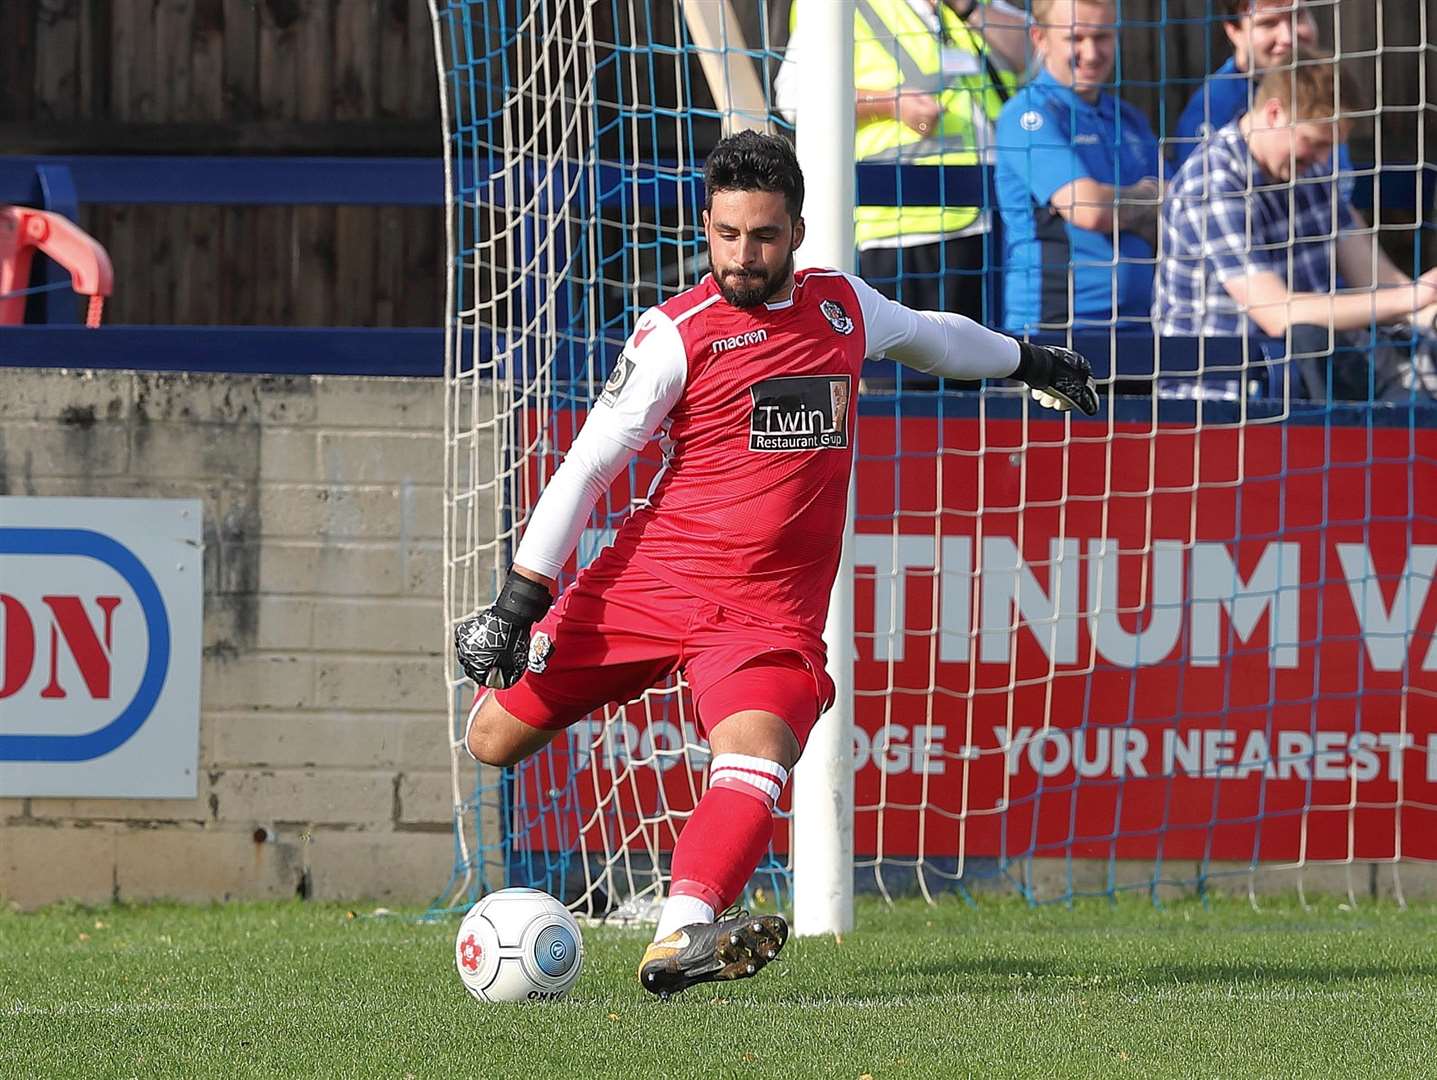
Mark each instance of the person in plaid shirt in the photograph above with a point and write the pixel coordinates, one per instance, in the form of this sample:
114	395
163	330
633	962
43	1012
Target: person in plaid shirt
1256	233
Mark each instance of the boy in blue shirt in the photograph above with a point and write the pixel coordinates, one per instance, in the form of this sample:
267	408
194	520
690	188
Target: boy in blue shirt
1076	181
1256	232
1265	34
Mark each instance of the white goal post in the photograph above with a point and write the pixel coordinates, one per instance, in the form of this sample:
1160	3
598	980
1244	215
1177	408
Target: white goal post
823	780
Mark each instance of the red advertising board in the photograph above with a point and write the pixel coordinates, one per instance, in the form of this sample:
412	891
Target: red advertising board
1096	641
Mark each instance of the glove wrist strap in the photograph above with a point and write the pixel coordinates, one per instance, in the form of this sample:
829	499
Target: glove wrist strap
522	598
1035	366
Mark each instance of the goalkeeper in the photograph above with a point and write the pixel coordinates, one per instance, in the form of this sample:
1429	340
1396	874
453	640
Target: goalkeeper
724	571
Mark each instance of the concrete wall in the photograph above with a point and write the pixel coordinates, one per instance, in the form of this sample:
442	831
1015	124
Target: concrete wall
323	753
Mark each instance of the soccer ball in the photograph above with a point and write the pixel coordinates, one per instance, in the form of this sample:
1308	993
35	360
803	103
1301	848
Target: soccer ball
518	945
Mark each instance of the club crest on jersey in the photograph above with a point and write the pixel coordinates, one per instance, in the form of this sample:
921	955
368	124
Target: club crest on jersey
618	378
836	316
540	646
799	412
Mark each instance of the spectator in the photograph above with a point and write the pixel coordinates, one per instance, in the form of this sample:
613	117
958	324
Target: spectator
1264	35
1256	234
1076	181
930	79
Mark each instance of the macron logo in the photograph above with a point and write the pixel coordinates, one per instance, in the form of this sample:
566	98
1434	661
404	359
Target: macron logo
738	341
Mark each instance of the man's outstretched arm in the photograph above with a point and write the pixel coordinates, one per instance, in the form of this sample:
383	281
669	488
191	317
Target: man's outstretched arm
648	379
1274	308
956	347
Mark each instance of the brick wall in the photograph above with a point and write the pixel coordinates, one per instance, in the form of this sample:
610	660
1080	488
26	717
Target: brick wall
324	766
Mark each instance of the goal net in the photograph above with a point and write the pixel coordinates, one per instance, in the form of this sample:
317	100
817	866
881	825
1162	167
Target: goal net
1185	641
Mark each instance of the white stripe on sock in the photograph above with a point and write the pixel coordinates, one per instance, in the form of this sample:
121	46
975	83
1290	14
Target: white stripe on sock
758	773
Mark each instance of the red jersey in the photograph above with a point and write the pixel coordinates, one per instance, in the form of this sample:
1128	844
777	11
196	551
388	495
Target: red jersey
749	509
755	410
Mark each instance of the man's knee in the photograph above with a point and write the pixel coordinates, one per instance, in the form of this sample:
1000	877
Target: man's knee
490	747
496	737
1310	351
1309	339
758	734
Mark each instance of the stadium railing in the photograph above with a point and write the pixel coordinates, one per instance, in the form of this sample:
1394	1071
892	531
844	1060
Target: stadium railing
63	184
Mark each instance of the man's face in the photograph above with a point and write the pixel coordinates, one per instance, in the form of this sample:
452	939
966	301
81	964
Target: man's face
1267	35
751	242
1286	148
1078	43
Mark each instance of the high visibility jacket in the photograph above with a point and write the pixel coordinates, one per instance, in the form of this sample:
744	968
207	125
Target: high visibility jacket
895	49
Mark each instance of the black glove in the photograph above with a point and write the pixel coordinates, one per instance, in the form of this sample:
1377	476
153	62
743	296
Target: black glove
1060	378
493	646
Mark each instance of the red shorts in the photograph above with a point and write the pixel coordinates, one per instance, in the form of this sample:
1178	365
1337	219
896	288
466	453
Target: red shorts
619	630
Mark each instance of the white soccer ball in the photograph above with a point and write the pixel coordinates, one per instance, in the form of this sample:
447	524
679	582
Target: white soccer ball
518	945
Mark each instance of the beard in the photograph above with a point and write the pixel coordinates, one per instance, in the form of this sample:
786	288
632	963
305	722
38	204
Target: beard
746	290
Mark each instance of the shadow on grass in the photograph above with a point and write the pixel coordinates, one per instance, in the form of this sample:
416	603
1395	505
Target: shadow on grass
938	979
936	976
1218	974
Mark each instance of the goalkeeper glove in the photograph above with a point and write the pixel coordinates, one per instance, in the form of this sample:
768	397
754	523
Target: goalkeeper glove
493	646
1060	378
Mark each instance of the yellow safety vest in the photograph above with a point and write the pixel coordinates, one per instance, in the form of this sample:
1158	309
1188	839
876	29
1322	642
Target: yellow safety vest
894	49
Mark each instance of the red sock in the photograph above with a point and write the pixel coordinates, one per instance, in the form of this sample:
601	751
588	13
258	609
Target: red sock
721	845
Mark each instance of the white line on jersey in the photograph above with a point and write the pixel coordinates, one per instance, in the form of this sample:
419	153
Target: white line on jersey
697	308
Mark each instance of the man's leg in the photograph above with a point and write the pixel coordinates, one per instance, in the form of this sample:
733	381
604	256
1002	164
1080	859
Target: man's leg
732	826
721	845
963	270
1310	349
879	267
946	275
1401	366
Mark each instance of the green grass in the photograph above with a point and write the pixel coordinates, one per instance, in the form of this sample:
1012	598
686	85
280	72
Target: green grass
1001	990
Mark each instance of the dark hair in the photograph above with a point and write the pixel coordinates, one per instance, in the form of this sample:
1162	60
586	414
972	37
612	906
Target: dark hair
749	161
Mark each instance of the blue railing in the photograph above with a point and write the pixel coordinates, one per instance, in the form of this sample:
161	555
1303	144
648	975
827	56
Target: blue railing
258	350
63	184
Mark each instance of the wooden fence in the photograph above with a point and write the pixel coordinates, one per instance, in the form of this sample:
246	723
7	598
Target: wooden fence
310	77
318	77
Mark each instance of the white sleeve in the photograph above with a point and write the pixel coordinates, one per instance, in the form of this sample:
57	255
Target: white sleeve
936	342
647	381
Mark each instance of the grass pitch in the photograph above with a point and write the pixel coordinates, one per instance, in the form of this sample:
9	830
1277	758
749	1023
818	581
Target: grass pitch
1001	990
